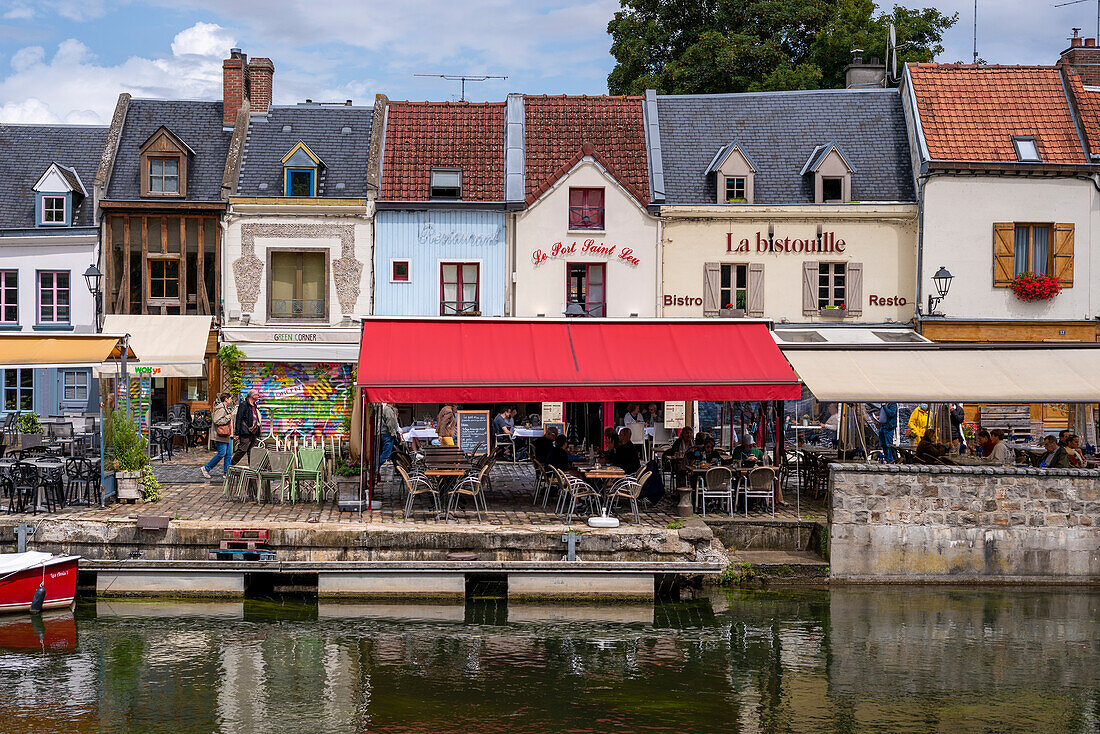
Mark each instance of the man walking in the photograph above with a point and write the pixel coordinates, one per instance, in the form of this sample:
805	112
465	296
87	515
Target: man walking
247	426
391	431
887	422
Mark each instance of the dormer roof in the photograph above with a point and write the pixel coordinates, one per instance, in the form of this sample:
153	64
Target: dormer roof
176	140
300	156
818	156
723	155
59	179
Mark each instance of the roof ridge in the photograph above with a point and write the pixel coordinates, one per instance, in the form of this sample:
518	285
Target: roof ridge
67	125
778	93
463	103
584	96
981	67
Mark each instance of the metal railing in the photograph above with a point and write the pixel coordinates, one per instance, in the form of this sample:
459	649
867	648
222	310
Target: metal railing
297	308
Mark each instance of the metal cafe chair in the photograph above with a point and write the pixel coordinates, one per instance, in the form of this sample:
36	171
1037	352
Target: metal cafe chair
416	485
760	484
717	485
629	487
575	490
472	486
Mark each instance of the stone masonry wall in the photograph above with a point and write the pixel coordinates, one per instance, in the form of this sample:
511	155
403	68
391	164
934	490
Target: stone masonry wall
927	523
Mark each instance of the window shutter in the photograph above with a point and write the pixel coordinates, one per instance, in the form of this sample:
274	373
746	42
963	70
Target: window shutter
1063	254
854	300
1004	254
755	306
809	288
712	277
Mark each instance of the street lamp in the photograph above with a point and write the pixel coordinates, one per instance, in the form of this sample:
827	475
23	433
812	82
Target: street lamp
94	279
942	279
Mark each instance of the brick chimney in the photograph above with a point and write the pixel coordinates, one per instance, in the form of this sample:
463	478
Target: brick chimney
1083	57
260	73
234	85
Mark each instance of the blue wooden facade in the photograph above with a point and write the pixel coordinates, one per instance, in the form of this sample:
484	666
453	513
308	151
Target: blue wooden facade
426	239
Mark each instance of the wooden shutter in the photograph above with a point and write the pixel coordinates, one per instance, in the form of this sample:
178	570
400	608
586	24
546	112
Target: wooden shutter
755	303
854	300
1063	254
1004	254
712	278
809	288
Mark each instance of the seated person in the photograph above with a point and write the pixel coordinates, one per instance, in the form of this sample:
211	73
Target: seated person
625	453
710	453
1055	456
610	440
1000	452
929	450
698	452
682	443
747	452
557	456
544	443
1073	451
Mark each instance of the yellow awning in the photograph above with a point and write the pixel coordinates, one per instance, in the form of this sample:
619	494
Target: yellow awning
169	346
973	373
60	350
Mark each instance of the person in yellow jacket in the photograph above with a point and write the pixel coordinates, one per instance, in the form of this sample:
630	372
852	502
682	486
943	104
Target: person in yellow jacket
918	422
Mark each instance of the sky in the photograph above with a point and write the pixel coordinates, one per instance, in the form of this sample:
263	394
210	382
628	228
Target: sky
68	60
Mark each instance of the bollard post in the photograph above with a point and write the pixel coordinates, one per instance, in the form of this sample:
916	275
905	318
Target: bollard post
22	531
571	551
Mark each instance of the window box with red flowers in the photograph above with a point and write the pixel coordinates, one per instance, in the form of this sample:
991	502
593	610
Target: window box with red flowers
1035	287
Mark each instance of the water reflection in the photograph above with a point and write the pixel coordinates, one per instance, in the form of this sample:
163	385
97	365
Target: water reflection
849	660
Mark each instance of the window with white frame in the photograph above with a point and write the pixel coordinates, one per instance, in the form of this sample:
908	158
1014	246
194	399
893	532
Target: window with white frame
17	390
735	190
734	286
53	210
74	386
832	286
399	271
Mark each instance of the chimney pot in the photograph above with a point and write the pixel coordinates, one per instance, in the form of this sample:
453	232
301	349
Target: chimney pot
348	103
1090	42
1075	42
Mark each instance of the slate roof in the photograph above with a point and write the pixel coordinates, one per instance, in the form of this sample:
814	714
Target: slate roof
337	134
26	151
970	113
559	131
779	131
421	136
199	124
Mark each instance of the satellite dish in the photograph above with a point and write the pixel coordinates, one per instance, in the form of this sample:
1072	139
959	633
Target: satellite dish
892	51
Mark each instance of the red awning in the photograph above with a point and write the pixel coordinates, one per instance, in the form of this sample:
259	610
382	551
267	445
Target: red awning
431	360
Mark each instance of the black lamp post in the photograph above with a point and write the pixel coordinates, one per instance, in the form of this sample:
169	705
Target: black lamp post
94	279
942	279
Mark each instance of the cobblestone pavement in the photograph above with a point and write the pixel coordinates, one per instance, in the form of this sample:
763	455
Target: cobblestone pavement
187	495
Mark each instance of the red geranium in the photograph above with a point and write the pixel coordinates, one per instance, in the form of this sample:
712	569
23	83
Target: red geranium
1035	287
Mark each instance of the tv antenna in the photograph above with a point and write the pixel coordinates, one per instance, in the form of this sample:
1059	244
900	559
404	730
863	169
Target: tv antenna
1075	2
467	78
976	31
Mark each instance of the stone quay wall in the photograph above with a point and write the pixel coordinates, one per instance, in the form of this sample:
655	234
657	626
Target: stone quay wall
964	524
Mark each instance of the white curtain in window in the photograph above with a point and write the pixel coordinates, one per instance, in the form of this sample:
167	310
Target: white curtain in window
1020	253
284	266
1039	242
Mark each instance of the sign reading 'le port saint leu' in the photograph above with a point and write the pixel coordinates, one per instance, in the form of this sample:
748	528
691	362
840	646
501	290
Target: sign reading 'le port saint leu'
560	250
827	243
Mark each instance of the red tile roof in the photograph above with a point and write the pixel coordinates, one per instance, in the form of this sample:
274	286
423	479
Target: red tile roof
425	135
559	131
970	113
1088	112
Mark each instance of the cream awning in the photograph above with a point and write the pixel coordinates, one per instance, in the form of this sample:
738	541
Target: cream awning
61	350
169	346
974	373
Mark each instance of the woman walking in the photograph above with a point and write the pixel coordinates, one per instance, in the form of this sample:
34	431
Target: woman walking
221	433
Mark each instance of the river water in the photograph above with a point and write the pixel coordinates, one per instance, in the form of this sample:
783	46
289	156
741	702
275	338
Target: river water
847	660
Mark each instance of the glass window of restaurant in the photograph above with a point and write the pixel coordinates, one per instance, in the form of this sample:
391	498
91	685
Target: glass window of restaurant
586	287
298	285
458	289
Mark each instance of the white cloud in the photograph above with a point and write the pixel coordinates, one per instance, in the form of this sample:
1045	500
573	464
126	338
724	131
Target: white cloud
202	39
20	11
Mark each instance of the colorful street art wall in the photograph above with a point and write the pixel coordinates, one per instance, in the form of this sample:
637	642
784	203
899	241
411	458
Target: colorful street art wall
306	399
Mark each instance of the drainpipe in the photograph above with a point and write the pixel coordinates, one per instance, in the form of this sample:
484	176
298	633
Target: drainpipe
659	291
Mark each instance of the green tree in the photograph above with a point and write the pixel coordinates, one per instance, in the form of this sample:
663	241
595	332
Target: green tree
709	46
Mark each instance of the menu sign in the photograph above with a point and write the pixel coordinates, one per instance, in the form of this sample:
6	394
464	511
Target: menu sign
553	413
473	431
675	413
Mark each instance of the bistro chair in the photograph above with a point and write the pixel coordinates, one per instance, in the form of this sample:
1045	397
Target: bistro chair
506	443
279	466
541	480
472	486
575	490
630	487
160	443
8	428
416	485
199	429
637	437
308	471
242	478
760	484
717	485
21	486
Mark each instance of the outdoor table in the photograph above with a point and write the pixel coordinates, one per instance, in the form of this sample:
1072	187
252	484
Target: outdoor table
39	463
447	475
598	476
527	432
408	434
648	431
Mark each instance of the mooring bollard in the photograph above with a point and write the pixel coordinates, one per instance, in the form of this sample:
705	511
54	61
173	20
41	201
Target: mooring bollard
22	532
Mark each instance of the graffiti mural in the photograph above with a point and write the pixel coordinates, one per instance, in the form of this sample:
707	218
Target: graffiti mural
304	399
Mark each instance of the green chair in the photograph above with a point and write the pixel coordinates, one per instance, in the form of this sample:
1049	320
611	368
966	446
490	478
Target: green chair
310	468
242	477
280	464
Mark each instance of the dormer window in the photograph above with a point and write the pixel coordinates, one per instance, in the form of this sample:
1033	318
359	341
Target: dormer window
164	158
733	174
1027	150
832	172
300	167
54	210
446	183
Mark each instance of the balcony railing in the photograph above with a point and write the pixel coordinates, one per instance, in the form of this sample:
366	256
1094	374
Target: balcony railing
297	308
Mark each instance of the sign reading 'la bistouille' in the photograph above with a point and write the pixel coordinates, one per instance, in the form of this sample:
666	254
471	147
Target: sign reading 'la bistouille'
828	243
560	250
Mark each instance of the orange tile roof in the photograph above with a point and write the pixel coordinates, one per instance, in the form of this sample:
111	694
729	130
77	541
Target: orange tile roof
421	136
559	131
970	113
1088	112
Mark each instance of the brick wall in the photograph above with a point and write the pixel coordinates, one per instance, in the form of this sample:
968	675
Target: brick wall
234	88
923	523
260	73
1085	60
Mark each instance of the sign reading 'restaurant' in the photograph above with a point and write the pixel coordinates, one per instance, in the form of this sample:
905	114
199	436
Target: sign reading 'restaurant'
827	243
589	247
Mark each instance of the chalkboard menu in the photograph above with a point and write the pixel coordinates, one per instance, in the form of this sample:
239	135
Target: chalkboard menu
473	429
560	426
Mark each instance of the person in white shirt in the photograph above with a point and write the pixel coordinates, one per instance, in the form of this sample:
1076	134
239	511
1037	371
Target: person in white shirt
1001	453
633	415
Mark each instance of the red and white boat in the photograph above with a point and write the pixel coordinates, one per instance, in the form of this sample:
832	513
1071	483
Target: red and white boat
22	573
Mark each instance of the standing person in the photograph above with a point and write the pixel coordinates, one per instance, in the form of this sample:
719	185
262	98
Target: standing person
445	424
958	416
887	421
391	432
221	434
247	426
918	423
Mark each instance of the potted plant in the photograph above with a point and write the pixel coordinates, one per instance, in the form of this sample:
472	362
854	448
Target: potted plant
837	311
30	429
730	311
229	356
1031	287
347	477
127	456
